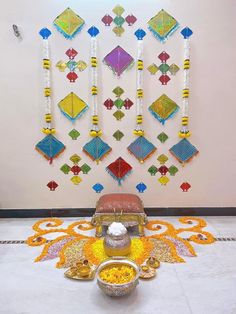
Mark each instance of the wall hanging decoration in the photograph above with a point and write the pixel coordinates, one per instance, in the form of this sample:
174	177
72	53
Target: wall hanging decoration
118	135
75	169
98	187
71	65
164	68
68	23
163	108
72	107
162	25
184	151
162	137
185	186
52	185
96	148
173	170
118	103
50	147
153	170
119	170
119	20
141	187
141	148
118	60
74	134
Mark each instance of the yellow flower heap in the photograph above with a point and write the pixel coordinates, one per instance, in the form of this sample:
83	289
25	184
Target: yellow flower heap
117	274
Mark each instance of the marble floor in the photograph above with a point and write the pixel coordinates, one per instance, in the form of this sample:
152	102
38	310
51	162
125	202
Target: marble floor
205	284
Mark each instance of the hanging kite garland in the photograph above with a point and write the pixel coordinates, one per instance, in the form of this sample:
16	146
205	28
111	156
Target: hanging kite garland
141	148
96	149
184	151
49	147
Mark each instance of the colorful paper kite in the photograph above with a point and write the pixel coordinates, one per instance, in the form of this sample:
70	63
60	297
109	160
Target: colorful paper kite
69	23
50	147
141	187
74	134
98	187
52	185
163	25
163	108
184	151
97	149
118	60
141	148
119	170
185	186
72	107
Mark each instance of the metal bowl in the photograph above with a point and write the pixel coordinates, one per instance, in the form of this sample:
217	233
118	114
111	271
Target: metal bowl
117	290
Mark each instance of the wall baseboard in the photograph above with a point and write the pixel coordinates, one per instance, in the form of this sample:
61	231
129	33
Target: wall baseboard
88	212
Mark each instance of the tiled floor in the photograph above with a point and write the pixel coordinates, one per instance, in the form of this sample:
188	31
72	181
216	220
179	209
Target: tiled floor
203	285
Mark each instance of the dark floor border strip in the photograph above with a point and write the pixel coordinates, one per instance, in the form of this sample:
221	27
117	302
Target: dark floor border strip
23	241
87	212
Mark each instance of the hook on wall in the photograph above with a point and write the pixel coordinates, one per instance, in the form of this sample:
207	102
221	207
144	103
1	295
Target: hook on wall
16	31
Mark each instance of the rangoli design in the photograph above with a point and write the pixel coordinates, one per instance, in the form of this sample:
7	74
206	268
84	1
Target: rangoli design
167	243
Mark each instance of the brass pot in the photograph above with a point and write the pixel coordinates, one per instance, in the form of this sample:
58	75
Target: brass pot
117	245
118	290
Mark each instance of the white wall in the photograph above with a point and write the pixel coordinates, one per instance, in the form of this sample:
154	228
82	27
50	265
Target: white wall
24	173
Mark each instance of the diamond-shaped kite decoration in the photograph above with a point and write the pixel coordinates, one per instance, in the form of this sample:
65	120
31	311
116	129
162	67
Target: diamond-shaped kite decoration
186	32
173	170
45	33
152	170
119	103
162	137
93	31
52	185
81	65
118	115
163	108
107	20
98	187
108	104
163	170
185	186
85	168
65	168
164	79
76	180
75	169
184	151
163	180
173	69
97	149
74	134
162	159
141	148
128	103
118	60
50	147
163	56
118	91
119	20
75	159
72	106
162	25
130	19
153	68
119	170
118	10
140	34
68	23
118	30
141	187
118	135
